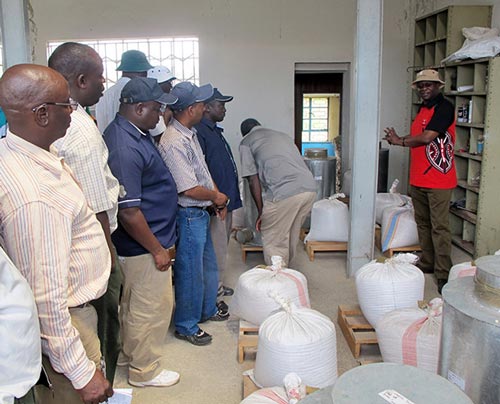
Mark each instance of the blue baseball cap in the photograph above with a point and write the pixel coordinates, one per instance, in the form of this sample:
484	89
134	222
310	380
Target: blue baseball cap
189	94
218	96
144	89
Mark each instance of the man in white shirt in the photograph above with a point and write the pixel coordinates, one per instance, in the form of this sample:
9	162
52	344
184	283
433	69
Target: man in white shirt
20	350
84	150
133	64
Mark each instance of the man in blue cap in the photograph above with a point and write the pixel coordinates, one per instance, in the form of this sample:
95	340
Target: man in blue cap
223	169
145	238
133	64
196	273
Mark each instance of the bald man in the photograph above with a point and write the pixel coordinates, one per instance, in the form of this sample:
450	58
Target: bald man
51	234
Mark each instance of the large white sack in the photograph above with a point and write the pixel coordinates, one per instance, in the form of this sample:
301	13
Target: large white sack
461	270
298	340
269	395
252	301
386	200
412	336
398	228
329	220
393	283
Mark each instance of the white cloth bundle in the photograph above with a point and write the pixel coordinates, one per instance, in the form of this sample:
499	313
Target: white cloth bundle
269	395
329	220
398	228
252	301
392	284
298	340
412	336
461	270
387	200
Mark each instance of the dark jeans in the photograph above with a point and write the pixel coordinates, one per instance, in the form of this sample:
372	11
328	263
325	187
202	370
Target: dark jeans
195	271
108	323
431	214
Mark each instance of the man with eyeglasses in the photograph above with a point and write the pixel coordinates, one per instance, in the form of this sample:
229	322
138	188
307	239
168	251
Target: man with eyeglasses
51	234
145	238
84	150
432	172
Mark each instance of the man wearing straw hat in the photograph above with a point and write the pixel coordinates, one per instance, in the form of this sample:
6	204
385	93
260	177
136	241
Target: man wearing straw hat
432	172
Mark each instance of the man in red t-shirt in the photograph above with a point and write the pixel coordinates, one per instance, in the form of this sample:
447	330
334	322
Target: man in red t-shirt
432	172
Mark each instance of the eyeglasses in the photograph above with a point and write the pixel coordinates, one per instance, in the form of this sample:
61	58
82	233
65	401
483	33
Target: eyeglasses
71	104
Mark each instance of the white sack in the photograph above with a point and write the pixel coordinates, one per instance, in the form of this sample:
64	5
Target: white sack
461	270
270	395
412	336
398	228
479	43
252	301
297	340
386	200
386	286
329	220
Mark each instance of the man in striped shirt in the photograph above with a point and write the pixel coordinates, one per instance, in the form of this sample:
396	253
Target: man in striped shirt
84	150
51	234
196	273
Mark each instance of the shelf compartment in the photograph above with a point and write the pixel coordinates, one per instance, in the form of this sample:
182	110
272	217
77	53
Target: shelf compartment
475	134
469	233
442	24
465	155
465	75
478	109
471	198
465	245
420	31
450	80
481	77
466	186
462	166
430	27
464	214
429	55
419	56
474	173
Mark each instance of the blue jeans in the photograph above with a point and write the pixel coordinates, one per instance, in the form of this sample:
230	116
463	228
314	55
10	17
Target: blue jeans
195	271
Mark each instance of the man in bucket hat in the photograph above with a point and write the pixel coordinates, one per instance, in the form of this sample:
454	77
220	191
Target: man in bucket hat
145	237
133	64
432	172
196	272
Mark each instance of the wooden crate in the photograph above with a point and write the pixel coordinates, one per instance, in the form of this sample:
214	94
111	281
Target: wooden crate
246	248
391	251
248	337
356	329
315	246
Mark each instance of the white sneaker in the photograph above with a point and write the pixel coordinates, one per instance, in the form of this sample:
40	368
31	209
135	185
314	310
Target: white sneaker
164	379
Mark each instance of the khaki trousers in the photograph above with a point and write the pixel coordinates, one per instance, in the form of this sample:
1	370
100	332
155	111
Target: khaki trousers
145	314
281	223
431	214
220	231
85	321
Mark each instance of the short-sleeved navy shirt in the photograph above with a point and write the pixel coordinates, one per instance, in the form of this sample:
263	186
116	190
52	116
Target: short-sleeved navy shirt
220	161
145	182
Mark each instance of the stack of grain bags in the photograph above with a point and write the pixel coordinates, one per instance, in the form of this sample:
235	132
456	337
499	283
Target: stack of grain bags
329	220
389	292
292	336
395	215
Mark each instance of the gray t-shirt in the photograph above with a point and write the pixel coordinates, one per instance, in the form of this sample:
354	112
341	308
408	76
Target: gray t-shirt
275	158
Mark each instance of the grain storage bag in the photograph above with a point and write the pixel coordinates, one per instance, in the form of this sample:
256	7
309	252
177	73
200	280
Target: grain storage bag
385	285
298	340
269	395
252	301
412	336
399	228
389	199
329	220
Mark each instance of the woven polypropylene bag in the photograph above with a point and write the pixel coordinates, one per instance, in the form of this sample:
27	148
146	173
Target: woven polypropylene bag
461	270
399	228
329	220
412	336
269	395
389	284
297	340
386	200
252	299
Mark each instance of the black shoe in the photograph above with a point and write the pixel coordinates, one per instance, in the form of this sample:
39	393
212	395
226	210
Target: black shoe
200	338
225	291
441	283
222	306
221	315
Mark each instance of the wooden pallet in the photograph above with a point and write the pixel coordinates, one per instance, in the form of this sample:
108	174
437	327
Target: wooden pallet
315	246
248	338
356	329
391	251
246	248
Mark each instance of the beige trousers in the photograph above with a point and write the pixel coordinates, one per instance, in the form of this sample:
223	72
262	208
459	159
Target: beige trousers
145	314
281	223
220	231
85	321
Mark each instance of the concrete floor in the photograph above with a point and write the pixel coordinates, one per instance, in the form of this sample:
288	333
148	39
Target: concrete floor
212	374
